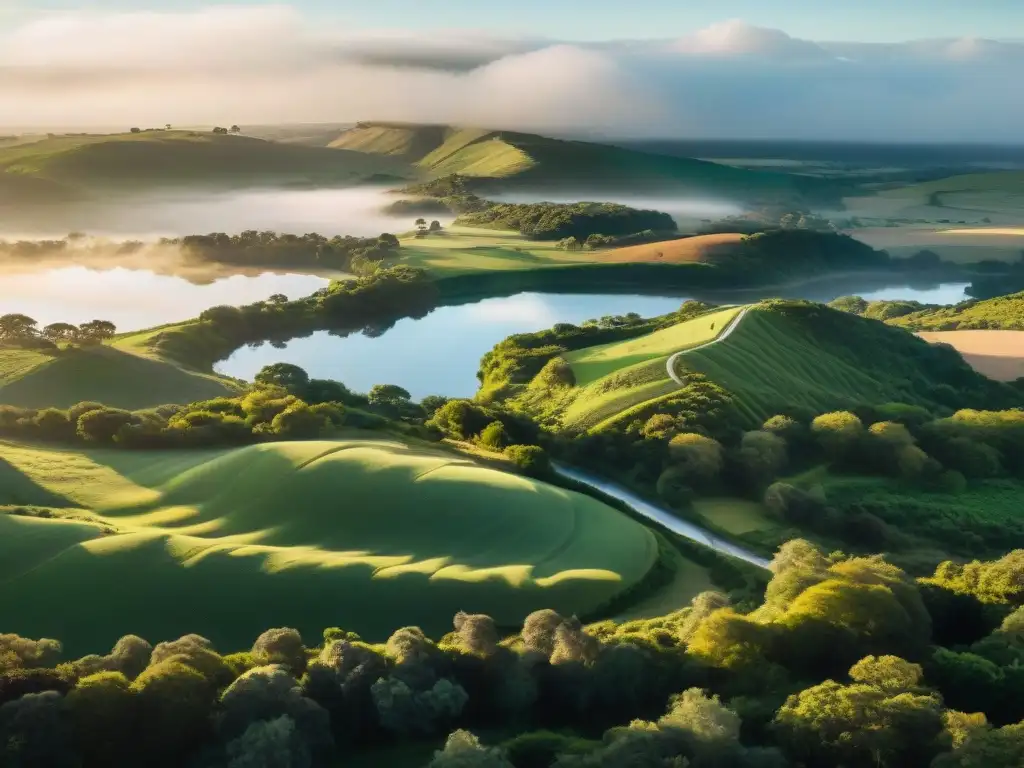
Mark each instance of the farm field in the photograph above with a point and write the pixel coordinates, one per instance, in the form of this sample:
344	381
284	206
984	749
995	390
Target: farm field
352	533
997	354
116	375
958	245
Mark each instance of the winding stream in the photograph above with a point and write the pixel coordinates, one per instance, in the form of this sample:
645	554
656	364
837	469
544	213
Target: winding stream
661	516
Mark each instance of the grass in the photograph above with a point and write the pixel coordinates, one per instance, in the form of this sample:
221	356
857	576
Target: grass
357	533
701	248
734	516
590	364
531	161
613	378
124	375
65	167
1000	313
689	580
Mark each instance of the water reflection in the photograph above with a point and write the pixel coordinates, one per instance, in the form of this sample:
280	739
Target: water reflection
440	353
133	299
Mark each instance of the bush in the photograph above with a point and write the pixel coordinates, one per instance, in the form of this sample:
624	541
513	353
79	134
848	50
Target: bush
697	456
530	459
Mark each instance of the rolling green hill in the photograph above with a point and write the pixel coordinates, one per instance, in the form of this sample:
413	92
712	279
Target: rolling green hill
780	355
997	191
115	376
359	534
69	167
522	160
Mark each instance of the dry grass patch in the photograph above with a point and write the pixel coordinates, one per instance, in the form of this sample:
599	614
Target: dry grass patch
996	354
700	249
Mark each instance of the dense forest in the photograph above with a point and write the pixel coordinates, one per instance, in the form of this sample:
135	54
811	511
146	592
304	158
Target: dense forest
848	662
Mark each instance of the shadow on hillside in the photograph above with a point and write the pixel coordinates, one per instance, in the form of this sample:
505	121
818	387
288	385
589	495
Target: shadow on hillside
109	376
17	489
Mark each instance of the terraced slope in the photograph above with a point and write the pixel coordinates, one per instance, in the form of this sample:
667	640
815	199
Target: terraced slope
530	161
113	376
359	534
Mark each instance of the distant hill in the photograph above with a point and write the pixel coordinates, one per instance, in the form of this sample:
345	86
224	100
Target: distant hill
69	167
1002	313
523	161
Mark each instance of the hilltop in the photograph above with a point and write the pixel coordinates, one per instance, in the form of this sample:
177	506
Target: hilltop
123	375
512	160
305	534
63	168
780	355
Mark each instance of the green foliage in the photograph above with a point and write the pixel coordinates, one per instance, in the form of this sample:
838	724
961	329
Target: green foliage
530	459
558	221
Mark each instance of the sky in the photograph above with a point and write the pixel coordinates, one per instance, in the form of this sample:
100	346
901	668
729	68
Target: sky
875	70
861	20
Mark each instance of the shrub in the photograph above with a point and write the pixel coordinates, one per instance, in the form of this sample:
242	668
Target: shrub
838	433
699	457
493	436
530	459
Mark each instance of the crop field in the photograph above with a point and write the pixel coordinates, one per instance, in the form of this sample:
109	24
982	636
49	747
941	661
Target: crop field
357	533
997	354
106	374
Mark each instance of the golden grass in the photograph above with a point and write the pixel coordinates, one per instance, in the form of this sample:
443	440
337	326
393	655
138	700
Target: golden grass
996	354
702	248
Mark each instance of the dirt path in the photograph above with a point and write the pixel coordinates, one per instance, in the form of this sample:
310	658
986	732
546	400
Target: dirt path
670	364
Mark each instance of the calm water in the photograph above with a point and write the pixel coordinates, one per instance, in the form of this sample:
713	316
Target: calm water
440	353
133	299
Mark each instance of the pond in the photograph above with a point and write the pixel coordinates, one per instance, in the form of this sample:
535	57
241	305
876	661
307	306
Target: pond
133	299
440	353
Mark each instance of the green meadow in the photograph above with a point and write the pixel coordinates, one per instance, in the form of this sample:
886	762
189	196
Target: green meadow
121	375
353	533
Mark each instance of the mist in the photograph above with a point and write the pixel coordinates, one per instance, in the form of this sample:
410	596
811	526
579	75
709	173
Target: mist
356	211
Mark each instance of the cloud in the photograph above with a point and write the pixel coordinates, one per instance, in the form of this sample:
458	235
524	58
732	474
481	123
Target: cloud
270	64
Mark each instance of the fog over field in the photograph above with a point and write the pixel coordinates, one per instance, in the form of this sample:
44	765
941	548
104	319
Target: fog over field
356	211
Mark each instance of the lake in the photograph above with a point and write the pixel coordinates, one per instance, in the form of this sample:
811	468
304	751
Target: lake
440	353
133	299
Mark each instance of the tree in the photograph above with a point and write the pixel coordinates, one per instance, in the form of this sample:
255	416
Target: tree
96	331
285	375
235	129
60	332
421	227
762	455
17	327
136	130
838	433
220	131
167	126
103	424
388	395
435	226
464	750
699	457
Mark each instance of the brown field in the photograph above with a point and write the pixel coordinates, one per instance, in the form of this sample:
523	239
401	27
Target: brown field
687	249
997	354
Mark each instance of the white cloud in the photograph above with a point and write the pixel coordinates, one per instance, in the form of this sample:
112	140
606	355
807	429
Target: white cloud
247	65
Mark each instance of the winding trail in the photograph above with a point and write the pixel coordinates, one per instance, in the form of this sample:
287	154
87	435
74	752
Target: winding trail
662	515
670	364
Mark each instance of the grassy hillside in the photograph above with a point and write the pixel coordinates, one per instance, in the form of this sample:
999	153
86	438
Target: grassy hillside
781	356
786	354
522	160
359	533
66	167
994	191
115	376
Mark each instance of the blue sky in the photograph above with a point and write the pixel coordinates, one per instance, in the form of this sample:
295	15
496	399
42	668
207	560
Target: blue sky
861	20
